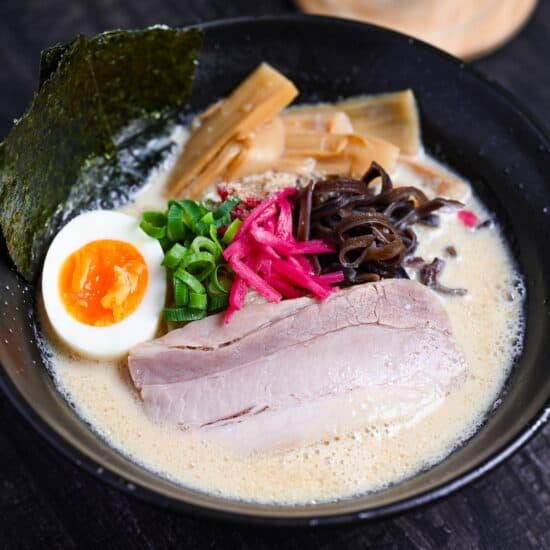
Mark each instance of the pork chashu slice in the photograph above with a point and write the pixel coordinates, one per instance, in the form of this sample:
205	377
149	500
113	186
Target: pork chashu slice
394	332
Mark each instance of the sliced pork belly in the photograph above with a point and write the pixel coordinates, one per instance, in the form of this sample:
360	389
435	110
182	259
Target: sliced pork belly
306	422
207	347
271	356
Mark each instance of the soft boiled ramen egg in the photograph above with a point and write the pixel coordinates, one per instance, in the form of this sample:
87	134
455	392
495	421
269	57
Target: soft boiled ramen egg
103	285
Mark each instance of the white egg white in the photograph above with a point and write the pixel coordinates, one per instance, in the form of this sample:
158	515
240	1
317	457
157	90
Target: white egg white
105	342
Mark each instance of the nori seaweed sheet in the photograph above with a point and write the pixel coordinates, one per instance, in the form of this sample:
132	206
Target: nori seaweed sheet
97	125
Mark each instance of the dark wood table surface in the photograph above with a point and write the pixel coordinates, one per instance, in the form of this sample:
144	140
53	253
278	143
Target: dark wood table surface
47	502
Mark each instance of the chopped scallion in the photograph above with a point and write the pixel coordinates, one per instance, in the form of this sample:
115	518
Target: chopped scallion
190	280
231	231
197	300
218	302
188	233
174	256
183	314
181	292
175	228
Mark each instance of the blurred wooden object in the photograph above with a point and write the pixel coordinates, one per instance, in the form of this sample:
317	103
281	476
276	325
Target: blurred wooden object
465	28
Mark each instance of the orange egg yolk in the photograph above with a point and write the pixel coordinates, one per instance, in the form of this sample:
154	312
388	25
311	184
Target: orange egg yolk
103	282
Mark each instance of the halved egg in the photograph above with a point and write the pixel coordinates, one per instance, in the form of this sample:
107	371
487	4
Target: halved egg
103	284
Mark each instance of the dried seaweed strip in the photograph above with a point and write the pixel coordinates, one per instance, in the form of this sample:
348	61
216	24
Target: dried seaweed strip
93	131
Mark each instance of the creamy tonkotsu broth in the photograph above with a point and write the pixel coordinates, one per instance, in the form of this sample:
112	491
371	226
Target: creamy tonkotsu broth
487	324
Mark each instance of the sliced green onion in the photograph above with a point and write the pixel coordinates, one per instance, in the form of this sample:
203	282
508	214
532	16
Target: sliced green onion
174	256
166	243
174	225
218	302
223	212
153	231
183	314
192	212
203	208
197	300
181	293
190	280
202	227
216	280
203	275
158	219
197	262
201	244
154	224
208	218
188	234
231	231
214	237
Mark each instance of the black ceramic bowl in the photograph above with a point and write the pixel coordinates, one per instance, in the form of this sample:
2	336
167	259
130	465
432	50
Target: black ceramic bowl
473	126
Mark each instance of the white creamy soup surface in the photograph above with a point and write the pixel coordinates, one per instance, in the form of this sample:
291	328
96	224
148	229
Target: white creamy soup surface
487	324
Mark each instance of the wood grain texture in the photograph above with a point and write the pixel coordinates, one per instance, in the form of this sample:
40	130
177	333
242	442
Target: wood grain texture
466	29
47	502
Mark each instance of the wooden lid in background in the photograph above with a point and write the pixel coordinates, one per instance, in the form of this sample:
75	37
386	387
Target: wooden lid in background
465	28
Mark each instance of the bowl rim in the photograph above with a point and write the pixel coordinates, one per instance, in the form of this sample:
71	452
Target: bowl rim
263	518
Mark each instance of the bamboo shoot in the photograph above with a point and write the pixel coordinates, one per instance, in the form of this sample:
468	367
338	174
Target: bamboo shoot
443	184
215	169
260	150
336	122
315	144
392	117
258	99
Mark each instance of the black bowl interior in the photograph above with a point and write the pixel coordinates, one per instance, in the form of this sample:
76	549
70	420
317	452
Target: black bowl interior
473	126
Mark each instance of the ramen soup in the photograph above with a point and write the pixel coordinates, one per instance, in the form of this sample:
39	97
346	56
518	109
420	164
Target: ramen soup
323	310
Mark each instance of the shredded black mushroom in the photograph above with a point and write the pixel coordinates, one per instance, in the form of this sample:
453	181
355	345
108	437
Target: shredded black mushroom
415	262
451	251
371	226
485	224
429	275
